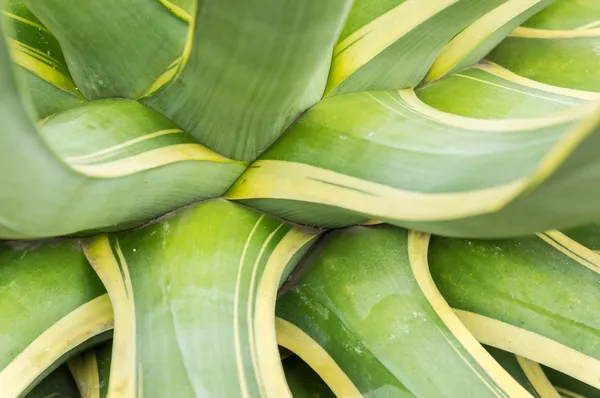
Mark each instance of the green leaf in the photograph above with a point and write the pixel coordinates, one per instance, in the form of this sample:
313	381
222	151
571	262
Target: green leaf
101	164
53	305
477	40
558	46
252	69
194	302
365	318
114	48
536	297
387	155
391	44
40	59
570	14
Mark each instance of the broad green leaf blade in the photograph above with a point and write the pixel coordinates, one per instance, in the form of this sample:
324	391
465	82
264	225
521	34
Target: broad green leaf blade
477	40
567	14
91	371
559	46
569	387
536	297
303	381
254	67
365	303
58	384
389	156
488	91
197	292
52	306
42	66
104	163
114	48
391	44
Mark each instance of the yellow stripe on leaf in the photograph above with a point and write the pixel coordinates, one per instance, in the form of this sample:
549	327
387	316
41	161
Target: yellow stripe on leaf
269	362
25	21
176	10
531	345
295	340
367	42
237	342
110	151
165	78
468	40
277	179
75	328
85	372
252	332
503	73
418	244
44	68
152	159
494	126
115	278
524	92
590	25
537	378
533	33
572	248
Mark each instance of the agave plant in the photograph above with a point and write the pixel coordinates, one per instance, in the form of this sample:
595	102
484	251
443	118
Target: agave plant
276	198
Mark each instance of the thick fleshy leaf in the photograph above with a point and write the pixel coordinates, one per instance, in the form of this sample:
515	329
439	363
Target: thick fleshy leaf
42	66
103	163
58	384
252	69
477	40
197	292
53	305
537	297
558	47
390	156
567	14
366	317
114	48
391	44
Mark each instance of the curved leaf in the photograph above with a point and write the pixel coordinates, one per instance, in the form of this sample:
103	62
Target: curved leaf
557	47
53	305
389	156
104	163
42	66
198	292
114	48
364	303
391	44
530	296
477	40
253	67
